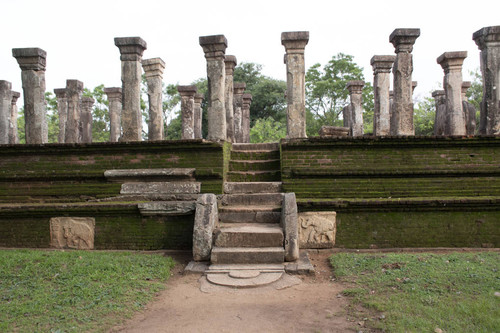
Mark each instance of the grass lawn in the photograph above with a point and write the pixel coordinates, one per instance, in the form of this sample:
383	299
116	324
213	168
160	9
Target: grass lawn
75	291
424	292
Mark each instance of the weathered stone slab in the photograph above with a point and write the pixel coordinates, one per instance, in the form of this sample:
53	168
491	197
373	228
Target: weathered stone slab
72	232
331	131
289	223
261	279
160	208
160	187
130	175
317	229
205	221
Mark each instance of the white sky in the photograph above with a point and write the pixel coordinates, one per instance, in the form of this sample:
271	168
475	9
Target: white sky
78	35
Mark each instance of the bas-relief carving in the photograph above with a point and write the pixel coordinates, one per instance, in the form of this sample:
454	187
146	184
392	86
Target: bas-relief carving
72	232
317	229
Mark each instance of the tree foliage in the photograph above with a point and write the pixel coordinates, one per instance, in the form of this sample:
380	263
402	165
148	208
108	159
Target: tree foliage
424	114
267	130
100	114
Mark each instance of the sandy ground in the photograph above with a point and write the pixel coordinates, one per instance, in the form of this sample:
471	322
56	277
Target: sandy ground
313	305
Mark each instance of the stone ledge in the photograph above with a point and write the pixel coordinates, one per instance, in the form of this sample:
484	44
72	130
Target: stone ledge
167	208
130	175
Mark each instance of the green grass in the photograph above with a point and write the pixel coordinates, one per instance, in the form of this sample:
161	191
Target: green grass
454	292
75	291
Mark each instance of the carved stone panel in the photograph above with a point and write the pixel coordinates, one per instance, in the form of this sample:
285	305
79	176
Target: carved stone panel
317	230
72	233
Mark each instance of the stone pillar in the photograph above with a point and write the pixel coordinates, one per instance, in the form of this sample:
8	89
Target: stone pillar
62	111
131	50
451	62
391	108
469	110
403	40
13	136
230	63
239	89
440	119
215	48
198	116
115	112
86	119
32	62
245	120
346	116
74	90
153	68
356	107
187	110
295	43
488	41
382	66
5	105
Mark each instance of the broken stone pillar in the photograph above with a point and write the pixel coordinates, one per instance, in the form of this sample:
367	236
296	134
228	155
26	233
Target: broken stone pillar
488	41
131	50
469	110
153	69
5	105
62	111
440	119
356	107
215	48
346	115
382	66
295	43
13	136
206	220
391	106
86	119
403	40
198	116
32	62
239	89
230	62
187	110
245	120
115	112
74	90
451	62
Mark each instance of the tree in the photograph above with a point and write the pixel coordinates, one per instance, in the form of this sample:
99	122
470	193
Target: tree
100	114
424	115
267	130
475	93
327	94
52	116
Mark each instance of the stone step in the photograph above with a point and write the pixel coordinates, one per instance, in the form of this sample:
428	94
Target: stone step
255	199
252	187
250	214
149	175
249	235
255	146
254	176
259	165
239	255
244	279
226	268
254	155
161	188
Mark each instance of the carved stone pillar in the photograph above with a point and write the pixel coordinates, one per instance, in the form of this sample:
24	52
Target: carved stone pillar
469	110
440	118
32	62
5	105
13	136
382	66
245	120
115	112
198	116
74	90
187	110
62	111
86	119
239	89
356	107
153	68
215	48
230	63
295	43
403	40
451	62
488	41
131	50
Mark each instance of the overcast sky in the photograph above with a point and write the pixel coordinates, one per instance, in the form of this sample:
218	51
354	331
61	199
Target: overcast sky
78	35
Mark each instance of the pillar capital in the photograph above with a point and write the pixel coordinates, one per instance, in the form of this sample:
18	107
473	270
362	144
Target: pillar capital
214	46
153	67
487	36
188	91
60	92
74	85
87	102
382	63
403	39
355	87
32	58
15	96
452	61
5	85
438	94
465	86
198	98
230	63
295	41
113	92
414	84
239	87
247	98
131	48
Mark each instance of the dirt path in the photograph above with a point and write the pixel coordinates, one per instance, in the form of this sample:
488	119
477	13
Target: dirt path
314	305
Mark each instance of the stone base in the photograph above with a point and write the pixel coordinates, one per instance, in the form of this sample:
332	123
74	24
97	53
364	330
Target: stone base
332	131
302	266
244	276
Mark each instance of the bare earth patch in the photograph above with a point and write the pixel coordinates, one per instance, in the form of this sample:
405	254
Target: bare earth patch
311	306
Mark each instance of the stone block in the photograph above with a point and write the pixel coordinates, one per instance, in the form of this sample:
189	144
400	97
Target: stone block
72	232
160	187
327	131
289	223
167	208
317	229
205	220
